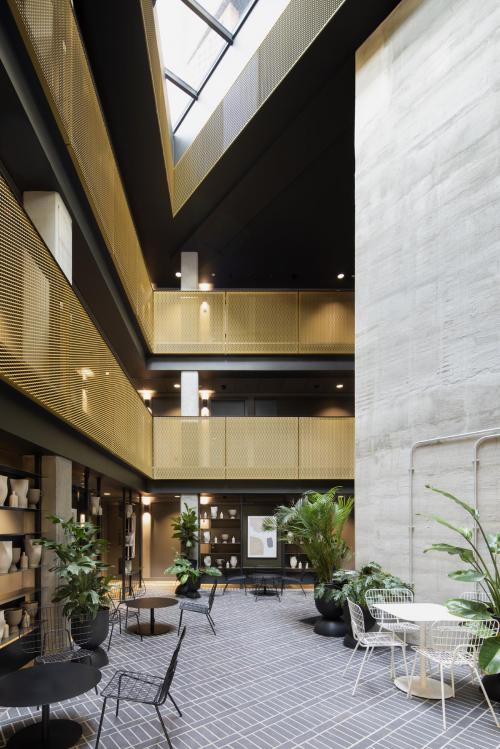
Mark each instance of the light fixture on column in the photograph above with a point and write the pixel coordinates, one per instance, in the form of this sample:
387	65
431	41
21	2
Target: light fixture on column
205	286
205	397
146	396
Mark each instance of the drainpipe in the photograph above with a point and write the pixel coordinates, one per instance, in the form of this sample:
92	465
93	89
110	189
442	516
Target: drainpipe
482	433
477	445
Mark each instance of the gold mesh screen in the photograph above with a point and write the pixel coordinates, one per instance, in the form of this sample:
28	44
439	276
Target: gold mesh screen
261	322
326	322
262	447
51	350
53	41
326	448
189	322
189	447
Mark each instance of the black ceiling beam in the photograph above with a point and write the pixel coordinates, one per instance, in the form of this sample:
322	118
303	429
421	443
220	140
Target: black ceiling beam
252	364
237	486
180	83
209	19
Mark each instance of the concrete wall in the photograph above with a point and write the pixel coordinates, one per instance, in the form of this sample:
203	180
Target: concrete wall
427	275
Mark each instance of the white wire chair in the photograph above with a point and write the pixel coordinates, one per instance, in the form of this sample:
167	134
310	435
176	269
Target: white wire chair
475	595
456	644
389	621
370	641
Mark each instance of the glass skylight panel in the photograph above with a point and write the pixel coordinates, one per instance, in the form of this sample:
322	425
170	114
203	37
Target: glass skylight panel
178	102
230	13
191	48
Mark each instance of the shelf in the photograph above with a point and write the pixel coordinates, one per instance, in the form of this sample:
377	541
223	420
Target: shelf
15	594
19	509
18	473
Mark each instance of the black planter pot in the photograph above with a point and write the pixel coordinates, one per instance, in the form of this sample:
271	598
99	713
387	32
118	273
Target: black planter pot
99	629
331	624
492	686
349	640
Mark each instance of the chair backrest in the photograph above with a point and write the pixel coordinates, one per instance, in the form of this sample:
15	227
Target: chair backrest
212	596
167	681
475	595
52	632
386	595
357	620
468	635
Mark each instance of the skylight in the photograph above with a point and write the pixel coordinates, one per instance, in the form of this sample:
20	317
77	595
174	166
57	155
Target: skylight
195	35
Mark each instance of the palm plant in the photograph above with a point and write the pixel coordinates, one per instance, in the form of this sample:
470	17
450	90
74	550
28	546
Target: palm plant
315	523
482	568
186	529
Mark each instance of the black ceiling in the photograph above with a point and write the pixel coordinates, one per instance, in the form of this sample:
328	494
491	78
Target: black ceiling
277	211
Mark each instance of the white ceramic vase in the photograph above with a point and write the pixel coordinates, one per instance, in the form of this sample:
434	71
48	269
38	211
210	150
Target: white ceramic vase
13	500
213	512
4	490
33	551
24	562
33	497
2	623
206	537
129	510
232	513
293	562
20	487
16	555
207	561
234	561
94	505
5	556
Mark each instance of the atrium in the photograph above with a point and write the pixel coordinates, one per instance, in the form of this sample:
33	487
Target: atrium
249	374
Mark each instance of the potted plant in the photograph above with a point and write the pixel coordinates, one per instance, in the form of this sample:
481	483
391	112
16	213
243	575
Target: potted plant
315	523
186	530
353	586
189	576
83	588
481	567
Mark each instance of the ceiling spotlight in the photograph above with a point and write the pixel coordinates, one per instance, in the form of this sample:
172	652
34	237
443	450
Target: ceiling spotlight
340	276
106	494
178	274
339	386
146	395
213	275
177	385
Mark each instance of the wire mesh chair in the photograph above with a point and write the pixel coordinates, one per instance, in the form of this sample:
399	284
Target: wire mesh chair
456	644
54	638
121	609
199	608
389	621
475	595
133	686
370	641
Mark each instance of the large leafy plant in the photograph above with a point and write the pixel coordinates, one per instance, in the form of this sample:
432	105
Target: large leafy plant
83	587
185	572
481	568
186	529
315	523
355	584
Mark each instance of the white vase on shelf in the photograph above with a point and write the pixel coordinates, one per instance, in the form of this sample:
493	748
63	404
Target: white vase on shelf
300	565
207	561
20	487
33	551
4	490
129	510
206	537
94	505
23	565
13	500
16	556
213	512
33	497
232	514
5	556
234	561
293	562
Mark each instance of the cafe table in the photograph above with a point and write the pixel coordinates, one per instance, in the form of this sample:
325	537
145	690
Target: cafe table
45	685
152	627
423	614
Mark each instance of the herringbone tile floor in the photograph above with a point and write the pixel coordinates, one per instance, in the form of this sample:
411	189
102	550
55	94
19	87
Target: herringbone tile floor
268	682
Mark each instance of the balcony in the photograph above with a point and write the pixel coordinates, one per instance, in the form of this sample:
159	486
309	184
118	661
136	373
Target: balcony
253	448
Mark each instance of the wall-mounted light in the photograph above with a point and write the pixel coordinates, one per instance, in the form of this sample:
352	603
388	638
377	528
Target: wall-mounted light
205	286
339	386
205	395
204	499
106	494
146	395
340	276
178	274
177	385
82	518
85	373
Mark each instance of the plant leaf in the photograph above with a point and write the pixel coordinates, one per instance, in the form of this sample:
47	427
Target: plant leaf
489	656
466	576
468	609
465	555
464	532
471	510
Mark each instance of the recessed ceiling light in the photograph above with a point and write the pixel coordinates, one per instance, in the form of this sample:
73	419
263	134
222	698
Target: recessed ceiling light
340	276
178	274
177	496
177	385
339	386
213	275
107	494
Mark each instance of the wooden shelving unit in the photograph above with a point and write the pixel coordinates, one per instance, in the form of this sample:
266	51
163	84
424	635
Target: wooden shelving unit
221	550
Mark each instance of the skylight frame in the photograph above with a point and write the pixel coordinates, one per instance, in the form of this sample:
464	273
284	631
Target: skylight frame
215	25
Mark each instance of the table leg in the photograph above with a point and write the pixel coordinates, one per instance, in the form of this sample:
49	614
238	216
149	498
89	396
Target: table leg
422	685
45	724
152	621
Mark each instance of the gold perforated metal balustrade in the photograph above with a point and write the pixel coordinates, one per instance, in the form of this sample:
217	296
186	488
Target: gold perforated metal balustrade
51	350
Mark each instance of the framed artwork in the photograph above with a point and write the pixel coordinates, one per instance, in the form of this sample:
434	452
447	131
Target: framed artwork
260	544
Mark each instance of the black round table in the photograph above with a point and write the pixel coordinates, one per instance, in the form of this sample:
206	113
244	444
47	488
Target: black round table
152	627
44	685
266	584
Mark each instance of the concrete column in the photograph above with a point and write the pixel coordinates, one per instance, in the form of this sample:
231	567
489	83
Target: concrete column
146	541
56	500
190	383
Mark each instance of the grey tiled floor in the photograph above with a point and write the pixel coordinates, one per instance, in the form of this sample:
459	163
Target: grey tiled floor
268	682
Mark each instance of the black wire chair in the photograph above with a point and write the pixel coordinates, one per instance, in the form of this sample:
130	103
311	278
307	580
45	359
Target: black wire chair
134	686
199	608
121	609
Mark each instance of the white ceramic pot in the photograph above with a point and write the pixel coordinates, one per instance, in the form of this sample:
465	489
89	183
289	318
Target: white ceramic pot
232	513
16	556
20	487
94	505
24	561
234	561
4	490
225	537
207	561
128	539
2	623
13	500
206	537
300	565
129	510
213	512
5	556
33	497
293	562
128	567
34	552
